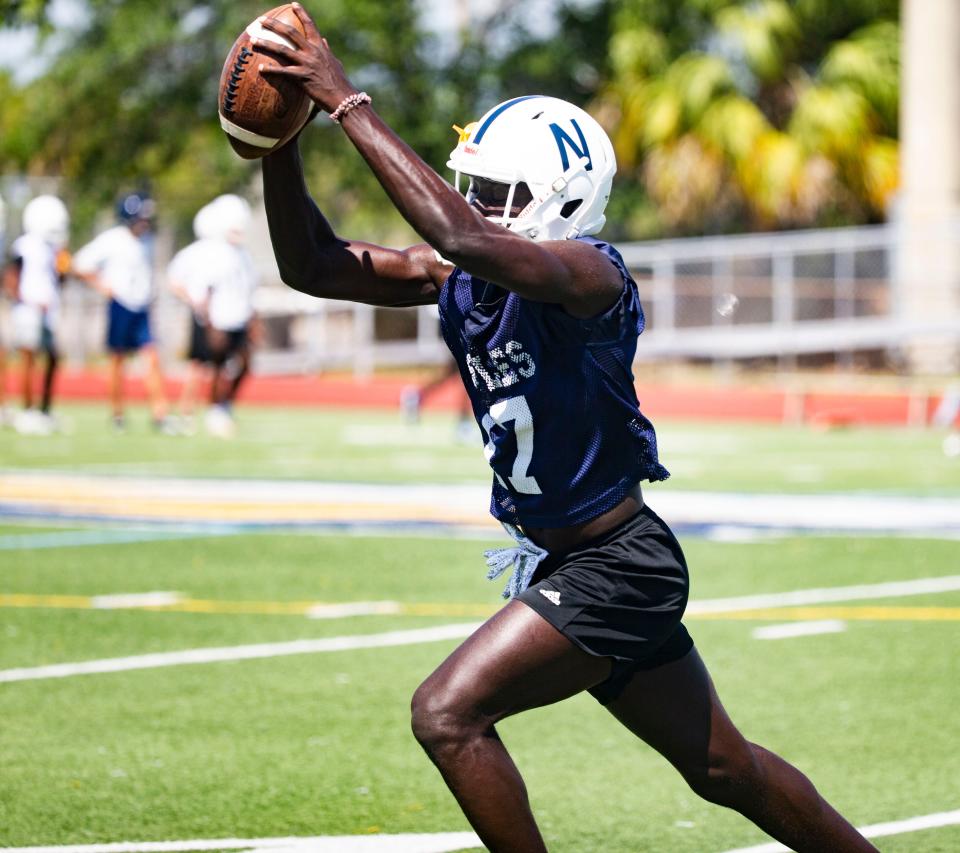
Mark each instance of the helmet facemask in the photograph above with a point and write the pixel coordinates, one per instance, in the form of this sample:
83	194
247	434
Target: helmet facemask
505	202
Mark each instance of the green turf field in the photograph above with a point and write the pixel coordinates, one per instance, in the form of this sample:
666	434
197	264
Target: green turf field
374	446
319	743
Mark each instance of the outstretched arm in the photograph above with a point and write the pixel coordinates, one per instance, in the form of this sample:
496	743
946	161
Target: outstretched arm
314	260
567	272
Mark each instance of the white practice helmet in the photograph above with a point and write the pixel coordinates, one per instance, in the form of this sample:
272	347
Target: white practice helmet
205	226
46	217
560	152
227	217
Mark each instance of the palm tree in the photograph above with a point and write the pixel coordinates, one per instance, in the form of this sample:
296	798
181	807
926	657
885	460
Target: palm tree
759	125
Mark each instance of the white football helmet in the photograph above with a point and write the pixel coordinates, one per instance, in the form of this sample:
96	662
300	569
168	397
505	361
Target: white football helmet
204	223
46	217
227	217
560	152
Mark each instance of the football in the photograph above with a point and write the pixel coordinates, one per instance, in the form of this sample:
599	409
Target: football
259	114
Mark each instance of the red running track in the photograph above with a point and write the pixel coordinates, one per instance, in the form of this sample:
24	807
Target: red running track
734	402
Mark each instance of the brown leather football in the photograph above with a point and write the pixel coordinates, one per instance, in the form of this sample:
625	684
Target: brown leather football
259	114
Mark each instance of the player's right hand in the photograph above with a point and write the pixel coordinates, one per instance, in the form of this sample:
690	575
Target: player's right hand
310	62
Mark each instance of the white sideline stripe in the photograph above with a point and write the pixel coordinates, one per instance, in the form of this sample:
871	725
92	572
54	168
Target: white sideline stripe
252	652
354	608
124	601
799	629
889	589
437	842
876	830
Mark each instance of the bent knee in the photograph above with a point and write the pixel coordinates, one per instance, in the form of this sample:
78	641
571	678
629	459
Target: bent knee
728	777
438	716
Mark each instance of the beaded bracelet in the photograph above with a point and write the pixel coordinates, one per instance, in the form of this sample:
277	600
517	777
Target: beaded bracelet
349	103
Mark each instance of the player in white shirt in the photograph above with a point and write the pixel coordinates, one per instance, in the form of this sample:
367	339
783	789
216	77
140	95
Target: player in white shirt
33	276
191	289
118	263
216	277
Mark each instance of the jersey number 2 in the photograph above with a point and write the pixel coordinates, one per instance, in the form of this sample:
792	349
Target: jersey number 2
517	411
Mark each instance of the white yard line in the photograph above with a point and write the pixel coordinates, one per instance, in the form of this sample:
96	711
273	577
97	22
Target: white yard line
799	629
128	600
823	595
891	589
354	608
436	842
231	653
876	830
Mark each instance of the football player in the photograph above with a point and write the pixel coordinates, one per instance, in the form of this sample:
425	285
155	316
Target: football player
542	318
118	264
33	279
215	275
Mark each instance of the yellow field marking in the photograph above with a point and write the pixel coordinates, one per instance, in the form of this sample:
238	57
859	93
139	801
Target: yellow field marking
121	501
865	613
255	608
302	608
266	513
66	602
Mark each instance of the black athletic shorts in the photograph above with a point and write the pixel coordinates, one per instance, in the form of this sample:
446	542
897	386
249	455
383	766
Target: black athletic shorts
230	342
621	595
199	351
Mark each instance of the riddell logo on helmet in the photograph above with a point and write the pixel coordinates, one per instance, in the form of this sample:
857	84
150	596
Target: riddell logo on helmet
471	149
531	208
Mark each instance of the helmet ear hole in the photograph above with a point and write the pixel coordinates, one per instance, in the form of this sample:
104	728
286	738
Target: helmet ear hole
570	208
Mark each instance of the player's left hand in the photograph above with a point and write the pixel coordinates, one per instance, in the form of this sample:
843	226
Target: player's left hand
310	62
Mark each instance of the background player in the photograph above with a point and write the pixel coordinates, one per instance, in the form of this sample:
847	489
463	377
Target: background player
118	263
180	276
32	279
543	323
414	397
216	277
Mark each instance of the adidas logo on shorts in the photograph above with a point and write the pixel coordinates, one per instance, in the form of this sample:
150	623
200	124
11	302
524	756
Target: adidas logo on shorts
551	595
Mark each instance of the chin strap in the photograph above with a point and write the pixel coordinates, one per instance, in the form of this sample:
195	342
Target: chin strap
524	558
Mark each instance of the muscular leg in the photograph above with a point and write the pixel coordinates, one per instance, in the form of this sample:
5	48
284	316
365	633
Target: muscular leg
514	662
676	710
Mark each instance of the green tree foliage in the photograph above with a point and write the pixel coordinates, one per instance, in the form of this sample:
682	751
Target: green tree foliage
131	101
726	114
765	113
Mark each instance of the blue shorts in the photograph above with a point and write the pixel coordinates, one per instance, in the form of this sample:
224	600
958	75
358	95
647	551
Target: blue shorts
127	330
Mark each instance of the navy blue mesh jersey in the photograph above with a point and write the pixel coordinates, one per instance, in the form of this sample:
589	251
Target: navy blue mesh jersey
554	397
